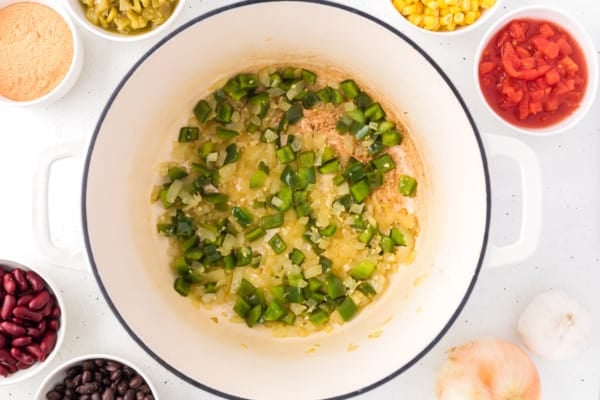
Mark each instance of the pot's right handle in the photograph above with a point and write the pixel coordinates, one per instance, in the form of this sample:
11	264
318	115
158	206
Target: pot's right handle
71	258
531	188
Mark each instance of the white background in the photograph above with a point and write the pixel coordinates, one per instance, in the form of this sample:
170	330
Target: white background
568	256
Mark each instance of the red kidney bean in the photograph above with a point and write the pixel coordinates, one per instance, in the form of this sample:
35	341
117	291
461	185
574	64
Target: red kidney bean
34	350
47	310
48	342
36	282
19	276
6	358
19	321
24	300
10	286
2	342
22	357
26	313
3	371
54	324
22	365
39	301
12	329
21	341
2	272
7	306
56	312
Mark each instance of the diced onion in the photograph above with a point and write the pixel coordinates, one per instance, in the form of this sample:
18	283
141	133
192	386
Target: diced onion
312	271
206	234
208	298
186	197
212	157
297	308
270	135
357	208
337	208
264	78
276	201
348	106
284	105
174	190
296	143
222	157
343	189
295	90
228	244
236	279
275	92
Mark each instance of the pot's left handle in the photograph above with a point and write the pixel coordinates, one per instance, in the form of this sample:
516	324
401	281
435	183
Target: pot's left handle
70	258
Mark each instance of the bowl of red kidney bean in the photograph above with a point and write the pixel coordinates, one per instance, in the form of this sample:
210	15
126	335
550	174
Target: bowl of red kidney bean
96	377
32	322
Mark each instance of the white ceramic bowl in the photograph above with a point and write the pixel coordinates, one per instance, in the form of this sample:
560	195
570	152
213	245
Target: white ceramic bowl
422	300
578	33
76	64
403	22
58	374
36	368
78	12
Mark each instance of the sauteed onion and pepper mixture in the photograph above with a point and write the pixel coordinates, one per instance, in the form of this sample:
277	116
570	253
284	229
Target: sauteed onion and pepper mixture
285	198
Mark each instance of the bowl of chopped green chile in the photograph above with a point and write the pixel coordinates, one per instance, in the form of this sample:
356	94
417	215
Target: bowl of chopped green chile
286	213
125	20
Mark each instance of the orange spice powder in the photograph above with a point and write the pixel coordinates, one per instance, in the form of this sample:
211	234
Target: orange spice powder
36	50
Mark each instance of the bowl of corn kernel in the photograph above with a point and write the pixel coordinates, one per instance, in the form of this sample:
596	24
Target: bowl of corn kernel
444	17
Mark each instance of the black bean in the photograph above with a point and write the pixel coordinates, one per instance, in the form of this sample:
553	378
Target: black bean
54	395
116	375
71	372
149	397
84	397
87	376
122	387
87	388
108	394
139	395
129	395
99	362
88	365
96	396
145	389
135	382
60	388
77	380
112	366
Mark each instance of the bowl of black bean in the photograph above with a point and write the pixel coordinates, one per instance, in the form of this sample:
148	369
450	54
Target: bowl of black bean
96	377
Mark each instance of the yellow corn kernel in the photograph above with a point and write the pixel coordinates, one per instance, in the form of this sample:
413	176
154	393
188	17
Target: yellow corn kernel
451	2
459	18
446	20
455	9
432	13
415	19
441	4
431	22
451	26
432	5
470	17
399	4
487	3
465	5
408	10
474	5
444	11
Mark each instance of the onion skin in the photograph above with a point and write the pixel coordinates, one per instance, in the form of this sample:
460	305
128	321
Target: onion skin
488	369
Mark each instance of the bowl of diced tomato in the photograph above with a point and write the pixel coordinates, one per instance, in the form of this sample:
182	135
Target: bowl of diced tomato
537	71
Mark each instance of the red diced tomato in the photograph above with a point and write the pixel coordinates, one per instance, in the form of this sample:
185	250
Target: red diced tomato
569	65
546	30
517	30
552	77
537	95
564	46
486	67
551	50
522	51
535	107
524	108
551	104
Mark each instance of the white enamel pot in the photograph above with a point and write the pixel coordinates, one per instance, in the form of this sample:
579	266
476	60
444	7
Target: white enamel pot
135	133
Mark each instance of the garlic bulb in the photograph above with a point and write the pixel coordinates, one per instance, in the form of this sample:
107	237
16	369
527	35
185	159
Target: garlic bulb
488	369
554	325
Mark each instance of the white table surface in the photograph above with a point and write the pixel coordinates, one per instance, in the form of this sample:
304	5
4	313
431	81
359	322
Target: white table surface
568	256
